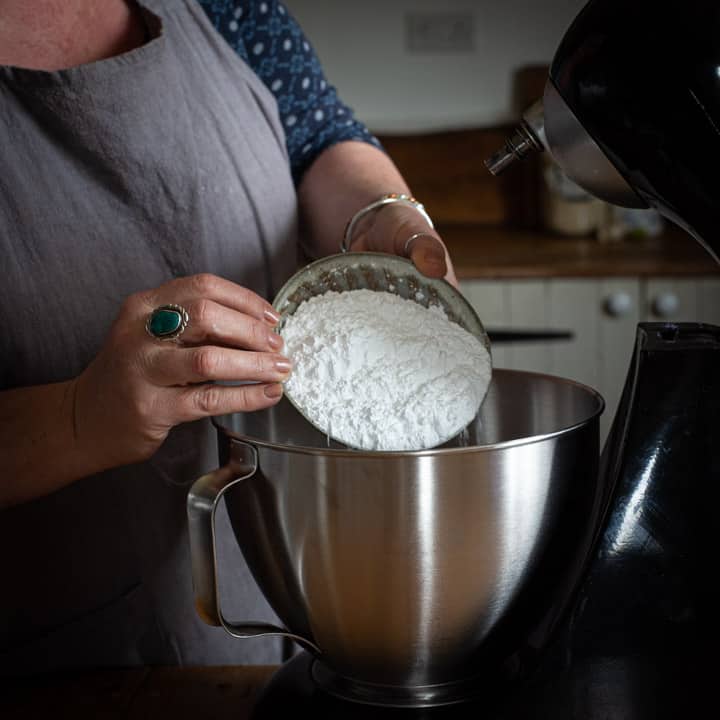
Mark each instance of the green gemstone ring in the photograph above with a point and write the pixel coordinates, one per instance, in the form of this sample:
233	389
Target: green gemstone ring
167	322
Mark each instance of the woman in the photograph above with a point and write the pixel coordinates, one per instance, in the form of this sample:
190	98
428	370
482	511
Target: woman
165	161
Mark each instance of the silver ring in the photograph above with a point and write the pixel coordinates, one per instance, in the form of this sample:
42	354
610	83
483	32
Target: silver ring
167	322
409	241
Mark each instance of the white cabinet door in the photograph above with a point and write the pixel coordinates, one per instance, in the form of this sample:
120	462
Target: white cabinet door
602	314
573	307
519	307
708	300
489	298
670	300
528	311
682	300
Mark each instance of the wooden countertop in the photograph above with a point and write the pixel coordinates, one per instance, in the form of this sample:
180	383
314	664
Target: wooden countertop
137	693
487	252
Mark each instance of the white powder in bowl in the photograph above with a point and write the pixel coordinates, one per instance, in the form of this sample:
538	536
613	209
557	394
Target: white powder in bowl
378	372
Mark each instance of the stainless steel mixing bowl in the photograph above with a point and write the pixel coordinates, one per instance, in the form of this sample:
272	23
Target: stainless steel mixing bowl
408	574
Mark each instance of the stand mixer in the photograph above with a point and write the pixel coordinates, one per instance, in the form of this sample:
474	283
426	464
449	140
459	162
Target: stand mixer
522	574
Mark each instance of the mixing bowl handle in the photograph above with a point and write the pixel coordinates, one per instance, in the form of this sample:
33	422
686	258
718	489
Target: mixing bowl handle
202	502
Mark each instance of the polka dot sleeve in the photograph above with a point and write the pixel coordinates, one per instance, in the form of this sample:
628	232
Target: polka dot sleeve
269	39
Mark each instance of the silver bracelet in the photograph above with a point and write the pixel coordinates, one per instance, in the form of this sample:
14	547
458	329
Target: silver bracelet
384	200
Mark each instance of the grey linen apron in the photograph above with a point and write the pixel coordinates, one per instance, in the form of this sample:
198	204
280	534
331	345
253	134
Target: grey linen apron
115	177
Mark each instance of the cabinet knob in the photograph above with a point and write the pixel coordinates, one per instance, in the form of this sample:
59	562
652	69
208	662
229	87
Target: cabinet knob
665	304
618	304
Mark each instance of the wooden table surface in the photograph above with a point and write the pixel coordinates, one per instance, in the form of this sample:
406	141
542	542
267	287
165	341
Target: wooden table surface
208	693
499	253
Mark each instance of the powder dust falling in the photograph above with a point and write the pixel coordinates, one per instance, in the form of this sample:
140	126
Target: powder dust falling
375	371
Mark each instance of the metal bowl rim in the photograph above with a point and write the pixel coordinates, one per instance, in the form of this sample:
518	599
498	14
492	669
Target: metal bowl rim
430	452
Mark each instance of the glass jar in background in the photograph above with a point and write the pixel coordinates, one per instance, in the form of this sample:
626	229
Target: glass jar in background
565	207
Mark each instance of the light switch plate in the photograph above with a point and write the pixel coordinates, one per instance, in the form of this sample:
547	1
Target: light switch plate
437	32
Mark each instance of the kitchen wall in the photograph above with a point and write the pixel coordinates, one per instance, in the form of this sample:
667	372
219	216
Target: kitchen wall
393	88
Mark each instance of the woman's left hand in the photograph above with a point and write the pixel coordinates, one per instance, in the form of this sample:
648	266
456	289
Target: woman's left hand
399	229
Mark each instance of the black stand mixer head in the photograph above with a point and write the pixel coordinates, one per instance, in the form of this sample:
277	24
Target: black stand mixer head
631	110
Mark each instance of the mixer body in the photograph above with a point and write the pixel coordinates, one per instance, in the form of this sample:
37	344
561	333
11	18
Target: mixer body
640	640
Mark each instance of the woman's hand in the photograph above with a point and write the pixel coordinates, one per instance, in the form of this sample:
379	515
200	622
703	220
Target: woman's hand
138	387
398	229
344	179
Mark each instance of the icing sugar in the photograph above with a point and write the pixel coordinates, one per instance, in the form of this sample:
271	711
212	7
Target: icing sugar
378	372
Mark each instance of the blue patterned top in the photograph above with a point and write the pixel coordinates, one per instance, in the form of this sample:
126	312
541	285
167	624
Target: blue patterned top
269	39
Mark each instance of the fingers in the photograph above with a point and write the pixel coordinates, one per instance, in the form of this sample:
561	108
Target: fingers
430	256
400	230
427	253
207	287
212	322
176	365
193	403
207	380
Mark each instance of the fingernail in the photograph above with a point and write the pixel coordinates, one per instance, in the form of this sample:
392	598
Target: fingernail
283	366
434	265
434	257
274	340
272	317
275	390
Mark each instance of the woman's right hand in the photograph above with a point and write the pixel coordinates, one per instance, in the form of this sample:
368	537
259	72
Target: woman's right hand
138	387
